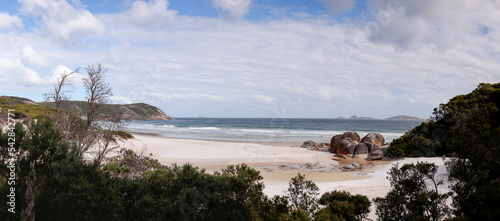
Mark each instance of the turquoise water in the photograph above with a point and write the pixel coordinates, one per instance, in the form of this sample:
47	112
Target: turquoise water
269	129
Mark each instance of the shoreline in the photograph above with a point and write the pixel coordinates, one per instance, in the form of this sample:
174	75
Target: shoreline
278	163
275	143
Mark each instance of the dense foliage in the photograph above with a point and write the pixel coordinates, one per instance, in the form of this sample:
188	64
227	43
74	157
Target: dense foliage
467	130
435	138
52	178
414	194
136	187
341	205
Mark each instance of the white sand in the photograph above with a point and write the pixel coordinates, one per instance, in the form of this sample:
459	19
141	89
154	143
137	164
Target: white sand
280	162
219	154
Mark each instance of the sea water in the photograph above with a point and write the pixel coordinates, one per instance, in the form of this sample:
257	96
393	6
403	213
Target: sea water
269	129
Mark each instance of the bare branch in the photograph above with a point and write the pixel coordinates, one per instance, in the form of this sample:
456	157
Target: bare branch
59	97
97	90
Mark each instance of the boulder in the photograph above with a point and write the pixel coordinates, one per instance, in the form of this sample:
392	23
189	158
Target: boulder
311	145
352	166
376	155
346	146
374	138
385	149
334	142
361	148
353	135
372	147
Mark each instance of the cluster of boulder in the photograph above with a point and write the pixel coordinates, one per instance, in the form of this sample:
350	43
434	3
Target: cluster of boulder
350	143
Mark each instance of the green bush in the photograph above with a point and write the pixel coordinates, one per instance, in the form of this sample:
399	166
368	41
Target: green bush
341	205
434	138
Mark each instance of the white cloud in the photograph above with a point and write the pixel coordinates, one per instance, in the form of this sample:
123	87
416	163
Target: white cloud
15	74
8	22
61	19
149	14
29	56
233	9
199	65
338	6
410	24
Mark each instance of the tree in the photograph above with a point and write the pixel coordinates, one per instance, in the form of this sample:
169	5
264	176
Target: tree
302	194
414	194
59	96
97	92
341	205
37	149
474	167
434	138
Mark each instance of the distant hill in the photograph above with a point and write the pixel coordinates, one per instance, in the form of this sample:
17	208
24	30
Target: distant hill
404	117
354	117
129	112
23	107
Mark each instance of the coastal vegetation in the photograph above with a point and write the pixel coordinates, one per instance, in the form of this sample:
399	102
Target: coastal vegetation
135	187
137	111
64	171
440	135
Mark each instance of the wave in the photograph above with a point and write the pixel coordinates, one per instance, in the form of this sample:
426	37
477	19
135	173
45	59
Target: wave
250	132
204	128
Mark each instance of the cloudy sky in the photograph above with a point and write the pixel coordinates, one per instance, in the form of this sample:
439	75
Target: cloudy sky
256	58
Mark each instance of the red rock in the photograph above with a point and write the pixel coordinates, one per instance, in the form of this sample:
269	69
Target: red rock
334	142
374	138
353	135
346	146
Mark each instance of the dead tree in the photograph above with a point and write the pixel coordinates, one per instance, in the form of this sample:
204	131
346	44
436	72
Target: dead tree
59	97
97	92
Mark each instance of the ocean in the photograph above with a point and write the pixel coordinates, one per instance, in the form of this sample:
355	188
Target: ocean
268	129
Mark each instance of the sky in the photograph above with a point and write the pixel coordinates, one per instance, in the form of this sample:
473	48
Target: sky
256	58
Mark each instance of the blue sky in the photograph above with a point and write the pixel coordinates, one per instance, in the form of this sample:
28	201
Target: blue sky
256	58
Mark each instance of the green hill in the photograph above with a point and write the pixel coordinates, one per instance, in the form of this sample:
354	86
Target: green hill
23	108
130	112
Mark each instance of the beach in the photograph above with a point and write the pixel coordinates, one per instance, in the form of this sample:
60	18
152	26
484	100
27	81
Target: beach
278	163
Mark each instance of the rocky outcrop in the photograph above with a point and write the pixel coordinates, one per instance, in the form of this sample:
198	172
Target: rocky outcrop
376	155
334	142
346	146
348	143
311	145
352	135
374	138
361	148
345	143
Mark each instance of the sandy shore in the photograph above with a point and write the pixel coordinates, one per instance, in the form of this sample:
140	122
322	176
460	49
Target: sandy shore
278	162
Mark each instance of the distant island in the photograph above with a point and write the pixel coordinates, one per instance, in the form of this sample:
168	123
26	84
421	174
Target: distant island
129	112
404	117
354	117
